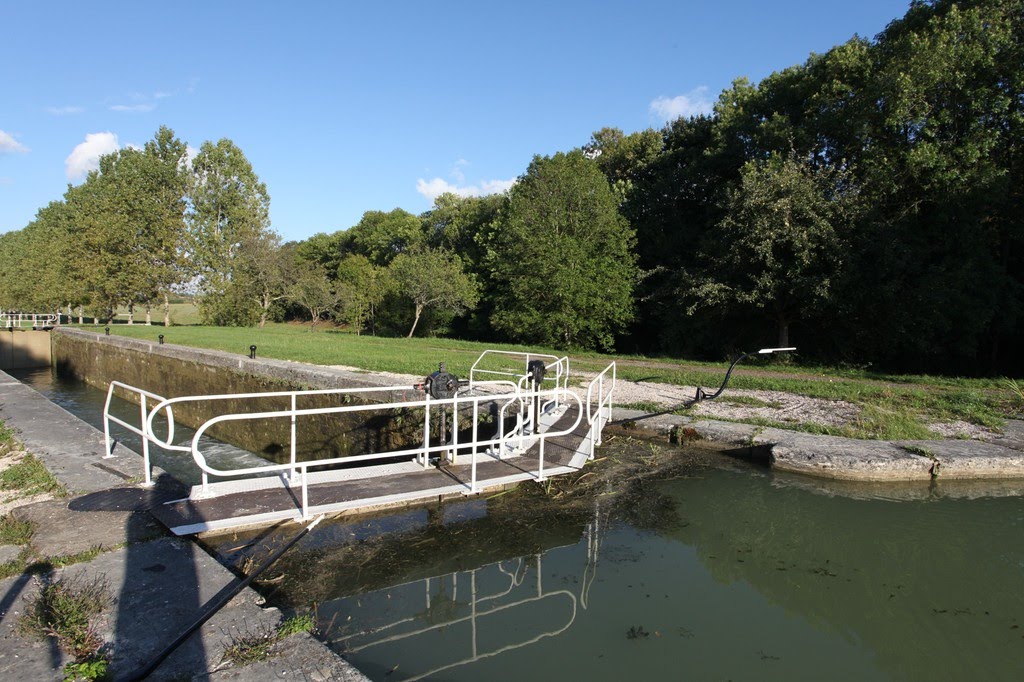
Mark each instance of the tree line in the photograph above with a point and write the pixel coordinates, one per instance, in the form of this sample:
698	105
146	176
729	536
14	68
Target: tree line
865	205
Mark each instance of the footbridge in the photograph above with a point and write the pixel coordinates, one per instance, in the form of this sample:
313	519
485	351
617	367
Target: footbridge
514	419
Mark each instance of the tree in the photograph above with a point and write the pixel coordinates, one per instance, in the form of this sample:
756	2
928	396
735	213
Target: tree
433	279
562	257
778	248
315	292
362	287
381	236
229	207
264	269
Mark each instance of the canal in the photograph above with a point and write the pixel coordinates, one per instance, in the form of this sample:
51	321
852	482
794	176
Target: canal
719	570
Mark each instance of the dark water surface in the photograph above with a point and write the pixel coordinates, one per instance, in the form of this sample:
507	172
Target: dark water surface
86	403
728	574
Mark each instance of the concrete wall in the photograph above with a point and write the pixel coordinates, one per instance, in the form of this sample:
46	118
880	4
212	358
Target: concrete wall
24	348
173	371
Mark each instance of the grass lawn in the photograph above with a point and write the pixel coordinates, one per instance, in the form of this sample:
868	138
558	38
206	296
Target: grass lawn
896	405
181	313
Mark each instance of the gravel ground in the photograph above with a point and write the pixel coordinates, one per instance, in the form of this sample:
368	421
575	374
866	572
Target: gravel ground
738	404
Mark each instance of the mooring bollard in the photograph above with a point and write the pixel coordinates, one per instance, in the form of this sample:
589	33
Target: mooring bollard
108	331
252	352
161	337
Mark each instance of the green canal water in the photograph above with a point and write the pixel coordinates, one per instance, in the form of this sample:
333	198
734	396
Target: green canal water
724	574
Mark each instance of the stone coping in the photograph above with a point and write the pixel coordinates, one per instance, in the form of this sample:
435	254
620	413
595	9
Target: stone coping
850	459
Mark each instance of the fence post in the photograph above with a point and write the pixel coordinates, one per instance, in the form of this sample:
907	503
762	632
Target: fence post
426	430
291	477
145	441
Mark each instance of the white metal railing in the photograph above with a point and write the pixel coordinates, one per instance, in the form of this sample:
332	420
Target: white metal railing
145	428
420	453
600	415
520	399
9	320
560	365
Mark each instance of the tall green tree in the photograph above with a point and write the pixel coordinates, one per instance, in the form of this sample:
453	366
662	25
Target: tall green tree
779	247
362	287
562	257
229	206
432	279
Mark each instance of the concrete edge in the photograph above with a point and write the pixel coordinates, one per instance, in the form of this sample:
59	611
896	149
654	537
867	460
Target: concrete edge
835	457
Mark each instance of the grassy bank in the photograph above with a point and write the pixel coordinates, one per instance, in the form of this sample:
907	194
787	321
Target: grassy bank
896	404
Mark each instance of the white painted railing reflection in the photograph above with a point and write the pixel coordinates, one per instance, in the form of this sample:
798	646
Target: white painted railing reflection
439	613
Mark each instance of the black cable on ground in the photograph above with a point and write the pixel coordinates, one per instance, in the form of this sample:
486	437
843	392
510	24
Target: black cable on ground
218	604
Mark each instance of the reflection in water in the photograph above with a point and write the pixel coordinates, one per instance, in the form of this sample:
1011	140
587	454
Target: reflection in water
501	607
751	579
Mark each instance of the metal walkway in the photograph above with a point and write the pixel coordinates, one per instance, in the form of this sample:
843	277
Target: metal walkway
553	431
379	486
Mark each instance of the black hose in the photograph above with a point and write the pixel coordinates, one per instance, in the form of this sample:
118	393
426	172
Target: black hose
218	604
701	395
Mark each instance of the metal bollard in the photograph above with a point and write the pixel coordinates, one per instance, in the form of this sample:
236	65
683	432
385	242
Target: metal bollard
161	338
108	331
252	352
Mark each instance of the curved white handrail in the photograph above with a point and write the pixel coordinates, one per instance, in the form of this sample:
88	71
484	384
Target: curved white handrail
200	459
145	428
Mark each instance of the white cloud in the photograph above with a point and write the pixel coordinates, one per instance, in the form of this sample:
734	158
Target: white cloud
8	145
133	108
497	186
435	187
64	111
692	103
160	94
86	156
457	173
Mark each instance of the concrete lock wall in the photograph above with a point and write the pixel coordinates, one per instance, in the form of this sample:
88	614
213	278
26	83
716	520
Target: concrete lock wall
24	348
174	371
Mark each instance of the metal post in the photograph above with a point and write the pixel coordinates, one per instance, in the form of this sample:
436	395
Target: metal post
476	421
145	441
109	452
291	477
426	430
454	452
540	469
305	493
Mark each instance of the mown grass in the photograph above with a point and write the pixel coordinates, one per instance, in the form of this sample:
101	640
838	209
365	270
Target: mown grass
181	313
904	404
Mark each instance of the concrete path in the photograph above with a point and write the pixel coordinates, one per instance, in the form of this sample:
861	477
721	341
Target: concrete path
158	583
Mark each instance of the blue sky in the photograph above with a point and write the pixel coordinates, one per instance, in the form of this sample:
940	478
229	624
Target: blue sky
349	107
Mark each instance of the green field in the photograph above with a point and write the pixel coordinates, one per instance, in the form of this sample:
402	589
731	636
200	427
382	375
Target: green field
181	313
895	406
